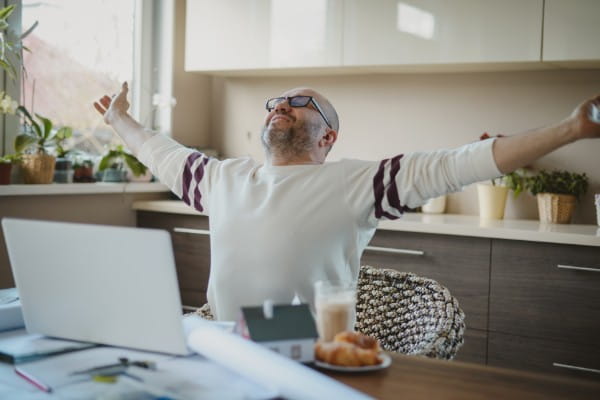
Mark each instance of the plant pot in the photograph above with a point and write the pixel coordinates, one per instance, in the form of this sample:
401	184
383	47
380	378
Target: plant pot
492	201
555	208
63	171
112	175
435	206
5	170
83	175
38	168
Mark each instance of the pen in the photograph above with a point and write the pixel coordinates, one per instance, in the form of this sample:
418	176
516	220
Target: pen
34	381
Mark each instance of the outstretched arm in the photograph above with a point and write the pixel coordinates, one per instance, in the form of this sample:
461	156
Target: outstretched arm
115	114
513	152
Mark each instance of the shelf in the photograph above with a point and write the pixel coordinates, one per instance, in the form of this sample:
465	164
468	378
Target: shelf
81	188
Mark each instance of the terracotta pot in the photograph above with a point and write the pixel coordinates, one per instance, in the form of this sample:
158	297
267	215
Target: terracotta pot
38	168
5	169
492	201
556	208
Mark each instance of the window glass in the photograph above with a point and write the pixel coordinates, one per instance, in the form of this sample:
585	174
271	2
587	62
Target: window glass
79	51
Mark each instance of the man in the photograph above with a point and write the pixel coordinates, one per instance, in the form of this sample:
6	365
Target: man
278	227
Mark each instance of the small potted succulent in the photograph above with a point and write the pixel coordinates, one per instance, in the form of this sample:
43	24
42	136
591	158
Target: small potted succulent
83	170
63	168
556	193
113	163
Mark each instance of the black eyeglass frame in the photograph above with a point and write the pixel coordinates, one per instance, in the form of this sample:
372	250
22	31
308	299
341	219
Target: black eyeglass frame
290	101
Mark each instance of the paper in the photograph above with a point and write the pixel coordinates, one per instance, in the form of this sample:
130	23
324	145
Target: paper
192	377
290	379
17	346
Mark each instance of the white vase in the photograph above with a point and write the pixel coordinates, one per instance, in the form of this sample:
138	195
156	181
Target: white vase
492	201
435	206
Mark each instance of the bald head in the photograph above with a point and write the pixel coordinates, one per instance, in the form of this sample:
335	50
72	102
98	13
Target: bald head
325	104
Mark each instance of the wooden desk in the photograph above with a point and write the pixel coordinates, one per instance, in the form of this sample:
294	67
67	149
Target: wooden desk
422	378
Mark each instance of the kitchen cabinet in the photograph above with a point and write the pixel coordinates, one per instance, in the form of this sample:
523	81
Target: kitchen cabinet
459	263
390	32
544	307
260	34
571	31
191	247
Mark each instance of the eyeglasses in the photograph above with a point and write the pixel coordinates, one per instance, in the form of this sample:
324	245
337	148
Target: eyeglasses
297	101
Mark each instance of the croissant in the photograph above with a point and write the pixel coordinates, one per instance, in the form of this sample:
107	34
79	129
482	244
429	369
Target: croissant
349	349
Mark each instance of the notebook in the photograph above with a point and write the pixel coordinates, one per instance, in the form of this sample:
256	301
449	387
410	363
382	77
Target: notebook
101	284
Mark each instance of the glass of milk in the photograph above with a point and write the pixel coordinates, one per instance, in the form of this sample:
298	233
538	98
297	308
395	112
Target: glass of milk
335	304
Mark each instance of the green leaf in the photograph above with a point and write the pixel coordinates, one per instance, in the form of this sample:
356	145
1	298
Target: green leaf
134	165
47	125
24	141
6	11
30	120
64	133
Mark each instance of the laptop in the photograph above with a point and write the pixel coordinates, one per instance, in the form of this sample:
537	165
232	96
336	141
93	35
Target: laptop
94	283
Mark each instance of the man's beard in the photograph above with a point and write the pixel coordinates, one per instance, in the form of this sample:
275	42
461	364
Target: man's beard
291	142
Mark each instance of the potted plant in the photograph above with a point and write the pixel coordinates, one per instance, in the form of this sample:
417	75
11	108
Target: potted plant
6	163
63	167
112	165
556	193
33	142
83	171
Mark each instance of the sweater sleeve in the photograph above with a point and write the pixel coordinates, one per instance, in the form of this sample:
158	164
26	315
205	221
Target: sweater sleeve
185	171
412	179
388	188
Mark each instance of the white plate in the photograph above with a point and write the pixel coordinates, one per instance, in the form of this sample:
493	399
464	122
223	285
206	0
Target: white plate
386	361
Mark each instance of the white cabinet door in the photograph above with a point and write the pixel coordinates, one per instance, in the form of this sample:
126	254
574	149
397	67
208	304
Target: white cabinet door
225	35
571	30
392	32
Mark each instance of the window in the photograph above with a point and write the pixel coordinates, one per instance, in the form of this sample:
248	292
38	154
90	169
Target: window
79	51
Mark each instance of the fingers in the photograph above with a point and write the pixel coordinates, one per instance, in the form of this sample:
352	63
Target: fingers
99	108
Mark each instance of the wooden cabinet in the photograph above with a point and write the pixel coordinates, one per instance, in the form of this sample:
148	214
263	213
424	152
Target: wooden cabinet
441	32
258	34
191	245
459	263
544	296
571	30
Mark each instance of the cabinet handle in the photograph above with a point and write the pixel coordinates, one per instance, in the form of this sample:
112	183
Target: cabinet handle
395	251
578	268
575	367
193	231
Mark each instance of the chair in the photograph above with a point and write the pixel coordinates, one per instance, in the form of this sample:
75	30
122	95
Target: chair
408	314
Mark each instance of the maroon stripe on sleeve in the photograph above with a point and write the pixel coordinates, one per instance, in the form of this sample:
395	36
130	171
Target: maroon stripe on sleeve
198	174
392	191
378	188
187	176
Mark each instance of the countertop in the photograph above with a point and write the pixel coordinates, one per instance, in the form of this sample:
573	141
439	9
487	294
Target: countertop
449	224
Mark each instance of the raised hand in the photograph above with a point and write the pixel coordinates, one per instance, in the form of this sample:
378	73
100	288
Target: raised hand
581	122
112	108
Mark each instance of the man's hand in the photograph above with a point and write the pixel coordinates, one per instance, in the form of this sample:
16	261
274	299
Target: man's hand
115	107
115	114
579	121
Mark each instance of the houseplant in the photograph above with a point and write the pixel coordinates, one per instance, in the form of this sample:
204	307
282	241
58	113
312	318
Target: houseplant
6	163
33	143
556	193
112	165
63	168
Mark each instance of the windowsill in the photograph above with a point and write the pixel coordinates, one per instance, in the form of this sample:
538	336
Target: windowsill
81	188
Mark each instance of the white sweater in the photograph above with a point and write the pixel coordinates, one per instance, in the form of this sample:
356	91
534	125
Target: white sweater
275	230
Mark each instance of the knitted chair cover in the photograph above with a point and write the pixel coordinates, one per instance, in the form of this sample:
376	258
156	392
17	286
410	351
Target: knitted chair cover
408	314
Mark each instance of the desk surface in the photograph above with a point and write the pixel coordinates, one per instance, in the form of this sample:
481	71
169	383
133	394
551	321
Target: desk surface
422	378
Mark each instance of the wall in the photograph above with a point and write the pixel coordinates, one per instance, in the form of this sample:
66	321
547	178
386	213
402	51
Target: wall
382	115
107	209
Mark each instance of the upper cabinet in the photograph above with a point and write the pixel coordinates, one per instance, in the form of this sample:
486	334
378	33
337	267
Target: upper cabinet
240	36
392	32
571	30
261	34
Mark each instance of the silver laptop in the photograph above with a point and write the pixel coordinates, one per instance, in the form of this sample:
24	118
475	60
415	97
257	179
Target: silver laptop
94	283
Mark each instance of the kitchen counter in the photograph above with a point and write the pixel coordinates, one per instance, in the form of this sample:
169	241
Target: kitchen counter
449	224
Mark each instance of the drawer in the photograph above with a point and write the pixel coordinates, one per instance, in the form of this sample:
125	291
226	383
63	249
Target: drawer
542	355
545	290
474	349
459	263
149	219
